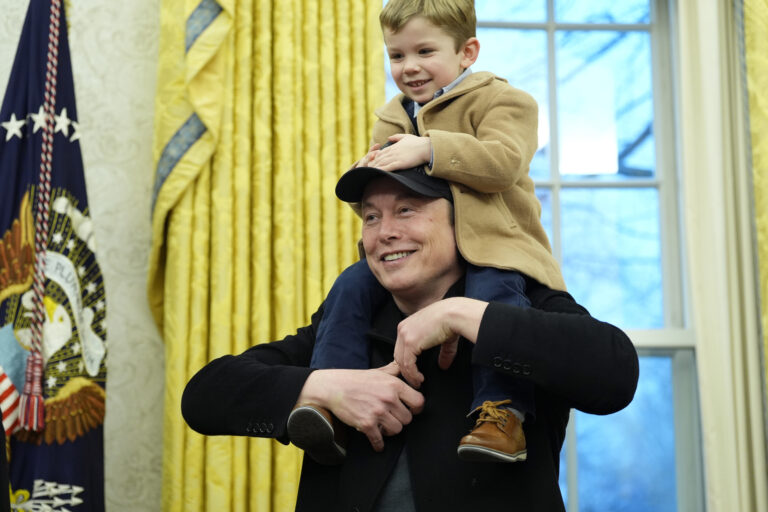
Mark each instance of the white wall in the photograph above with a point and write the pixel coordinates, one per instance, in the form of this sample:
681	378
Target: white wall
114	49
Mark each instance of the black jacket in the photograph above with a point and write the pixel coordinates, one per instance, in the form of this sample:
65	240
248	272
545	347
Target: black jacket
573	360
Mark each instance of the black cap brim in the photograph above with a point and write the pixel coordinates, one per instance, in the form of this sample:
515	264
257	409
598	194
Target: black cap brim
352	184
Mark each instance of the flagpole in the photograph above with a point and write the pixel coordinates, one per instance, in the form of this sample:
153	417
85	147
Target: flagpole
31	406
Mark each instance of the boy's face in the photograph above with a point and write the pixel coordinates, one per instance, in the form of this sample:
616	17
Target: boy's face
423	58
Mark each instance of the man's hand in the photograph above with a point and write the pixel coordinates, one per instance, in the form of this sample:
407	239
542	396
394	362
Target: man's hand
375	402
440	323
406	152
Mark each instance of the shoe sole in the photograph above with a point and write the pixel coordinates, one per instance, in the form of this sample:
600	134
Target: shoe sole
475	453
310	431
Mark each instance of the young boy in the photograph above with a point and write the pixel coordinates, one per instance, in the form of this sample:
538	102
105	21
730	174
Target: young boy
479	133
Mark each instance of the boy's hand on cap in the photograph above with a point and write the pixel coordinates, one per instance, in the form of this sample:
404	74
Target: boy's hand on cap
407	151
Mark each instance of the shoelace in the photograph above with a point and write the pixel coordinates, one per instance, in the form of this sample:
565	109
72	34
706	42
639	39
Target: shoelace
491	413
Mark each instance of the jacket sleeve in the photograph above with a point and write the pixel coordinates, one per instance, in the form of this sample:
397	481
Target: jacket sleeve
590	365
251	394
498	155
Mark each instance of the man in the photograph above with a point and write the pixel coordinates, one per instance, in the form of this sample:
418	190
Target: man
400	452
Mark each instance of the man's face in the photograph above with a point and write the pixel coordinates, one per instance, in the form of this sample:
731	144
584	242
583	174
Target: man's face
409	243
423	59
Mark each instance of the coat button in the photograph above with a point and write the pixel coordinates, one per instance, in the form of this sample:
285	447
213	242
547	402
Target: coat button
507	364
526	369
516	369
497	362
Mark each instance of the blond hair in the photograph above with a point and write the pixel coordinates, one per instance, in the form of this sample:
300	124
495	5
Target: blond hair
455	17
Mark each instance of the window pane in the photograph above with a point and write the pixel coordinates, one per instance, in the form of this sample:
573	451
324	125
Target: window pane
511	10
612	254
545	198
602	11
605	105
626	461
526	71
563	479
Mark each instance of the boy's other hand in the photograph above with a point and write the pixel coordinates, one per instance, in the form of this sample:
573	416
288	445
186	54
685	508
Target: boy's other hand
366	160
406	151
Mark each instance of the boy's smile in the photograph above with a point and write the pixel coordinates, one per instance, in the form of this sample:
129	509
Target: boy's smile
423	58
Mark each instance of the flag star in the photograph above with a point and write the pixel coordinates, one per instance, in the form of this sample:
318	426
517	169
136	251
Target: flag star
13	126
71	244
51	381
99	305
90	287
57	238
81	270
39	119
50	488
80	367
76	348
61	367
62	122
75	131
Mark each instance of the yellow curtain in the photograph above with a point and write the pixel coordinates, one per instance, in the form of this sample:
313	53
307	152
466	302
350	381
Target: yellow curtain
261	105
756	50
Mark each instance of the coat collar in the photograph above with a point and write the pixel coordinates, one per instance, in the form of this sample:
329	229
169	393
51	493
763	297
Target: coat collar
393	110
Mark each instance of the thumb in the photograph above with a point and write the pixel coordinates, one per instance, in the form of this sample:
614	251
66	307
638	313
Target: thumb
391	369
396	137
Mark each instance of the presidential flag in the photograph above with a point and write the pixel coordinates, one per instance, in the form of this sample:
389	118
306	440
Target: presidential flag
52	302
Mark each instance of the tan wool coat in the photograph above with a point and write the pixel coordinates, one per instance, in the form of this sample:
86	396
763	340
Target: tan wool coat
483	135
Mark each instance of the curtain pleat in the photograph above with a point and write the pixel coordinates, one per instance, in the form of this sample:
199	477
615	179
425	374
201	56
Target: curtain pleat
261	106
756	50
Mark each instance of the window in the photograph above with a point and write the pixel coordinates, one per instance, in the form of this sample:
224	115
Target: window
606	178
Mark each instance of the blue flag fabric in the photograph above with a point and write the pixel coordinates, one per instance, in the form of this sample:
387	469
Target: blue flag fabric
59	468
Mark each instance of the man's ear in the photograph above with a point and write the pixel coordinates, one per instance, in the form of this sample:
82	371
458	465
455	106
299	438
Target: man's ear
469	52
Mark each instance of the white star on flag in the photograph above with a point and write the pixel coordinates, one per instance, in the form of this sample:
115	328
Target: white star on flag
75	131
62	122
39	119
13	126
57	238
90	287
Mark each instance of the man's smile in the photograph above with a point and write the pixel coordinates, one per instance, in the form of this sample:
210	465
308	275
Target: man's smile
396	255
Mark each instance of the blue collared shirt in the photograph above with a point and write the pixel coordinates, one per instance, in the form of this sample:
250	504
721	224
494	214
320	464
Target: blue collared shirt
465	74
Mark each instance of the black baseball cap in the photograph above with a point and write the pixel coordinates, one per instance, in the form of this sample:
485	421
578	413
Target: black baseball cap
352	184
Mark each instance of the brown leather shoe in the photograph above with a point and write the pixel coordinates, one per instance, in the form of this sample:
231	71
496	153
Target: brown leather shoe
318	432
496	437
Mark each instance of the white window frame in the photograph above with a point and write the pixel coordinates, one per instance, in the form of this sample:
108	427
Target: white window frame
675	340
712	309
